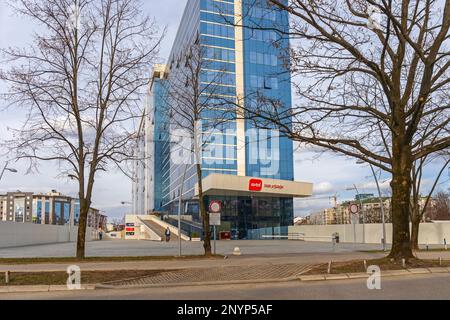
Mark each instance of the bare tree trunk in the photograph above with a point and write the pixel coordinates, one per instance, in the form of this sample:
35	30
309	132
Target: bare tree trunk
401	191
82	225
415	231
204	213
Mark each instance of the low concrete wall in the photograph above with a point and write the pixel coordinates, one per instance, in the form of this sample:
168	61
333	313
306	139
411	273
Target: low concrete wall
14	234
429	233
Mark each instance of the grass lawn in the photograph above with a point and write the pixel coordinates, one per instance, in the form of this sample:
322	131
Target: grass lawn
355	266
60	278
10	261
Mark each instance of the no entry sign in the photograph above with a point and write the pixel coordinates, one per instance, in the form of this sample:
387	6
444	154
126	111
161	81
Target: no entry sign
354	208
215	207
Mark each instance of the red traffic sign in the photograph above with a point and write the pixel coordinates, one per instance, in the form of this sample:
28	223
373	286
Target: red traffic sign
215	206
354	208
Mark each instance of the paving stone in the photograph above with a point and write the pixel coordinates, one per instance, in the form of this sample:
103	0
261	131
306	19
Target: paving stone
218	274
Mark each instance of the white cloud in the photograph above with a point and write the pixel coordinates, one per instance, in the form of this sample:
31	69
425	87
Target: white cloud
385	185
323	188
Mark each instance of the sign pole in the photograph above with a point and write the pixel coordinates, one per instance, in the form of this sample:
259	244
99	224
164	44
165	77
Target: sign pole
215	208
354	210
215	233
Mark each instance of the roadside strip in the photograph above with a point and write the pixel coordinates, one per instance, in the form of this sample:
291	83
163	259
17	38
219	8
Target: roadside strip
42	288
302	278
360	275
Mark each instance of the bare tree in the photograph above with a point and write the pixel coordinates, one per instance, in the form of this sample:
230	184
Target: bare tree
81	82
419	208
372	80
197	99
441	208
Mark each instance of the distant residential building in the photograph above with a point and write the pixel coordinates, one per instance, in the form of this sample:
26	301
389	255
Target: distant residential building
340	214
371	209
51	208
364	196
300	220
16	207
96	219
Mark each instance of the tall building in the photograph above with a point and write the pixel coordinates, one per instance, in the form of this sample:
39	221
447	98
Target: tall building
253	174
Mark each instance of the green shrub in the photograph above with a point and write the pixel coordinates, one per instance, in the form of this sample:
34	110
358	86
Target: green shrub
194	235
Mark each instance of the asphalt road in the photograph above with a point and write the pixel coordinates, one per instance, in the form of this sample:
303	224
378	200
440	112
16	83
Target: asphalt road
435	286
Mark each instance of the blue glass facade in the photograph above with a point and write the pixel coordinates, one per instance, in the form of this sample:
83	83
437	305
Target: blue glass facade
254	57
161	145
267	72
59	208
76	212
39	213
58	213
47	212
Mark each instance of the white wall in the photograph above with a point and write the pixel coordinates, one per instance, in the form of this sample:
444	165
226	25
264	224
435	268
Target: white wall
14	234
431	233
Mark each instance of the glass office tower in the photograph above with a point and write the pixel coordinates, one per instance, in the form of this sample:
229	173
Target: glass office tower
238	40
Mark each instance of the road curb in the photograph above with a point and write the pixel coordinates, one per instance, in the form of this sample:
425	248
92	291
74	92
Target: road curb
336	276
360	275
439	270
357	275
42	288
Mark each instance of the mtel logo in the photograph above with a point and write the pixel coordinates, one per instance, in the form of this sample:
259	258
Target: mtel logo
255	185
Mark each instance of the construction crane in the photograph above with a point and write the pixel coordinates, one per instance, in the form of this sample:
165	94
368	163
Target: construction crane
333	197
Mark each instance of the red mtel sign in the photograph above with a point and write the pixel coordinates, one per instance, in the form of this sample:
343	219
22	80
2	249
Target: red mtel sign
255	185
129	229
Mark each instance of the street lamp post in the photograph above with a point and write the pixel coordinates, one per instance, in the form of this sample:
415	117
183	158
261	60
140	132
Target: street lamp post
180	203
5	168
381	203
363	212
381	206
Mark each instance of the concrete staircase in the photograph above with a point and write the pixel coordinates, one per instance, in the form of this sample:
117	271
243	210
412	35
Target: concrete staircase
159	230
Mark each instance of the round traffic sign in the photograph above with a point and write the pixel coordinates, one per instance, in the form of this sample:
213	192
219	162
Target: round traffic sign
354	208
215	206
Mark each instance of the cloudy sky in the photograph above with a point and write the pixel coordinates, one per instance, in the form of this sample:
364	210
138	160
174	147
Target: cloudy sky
329	173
